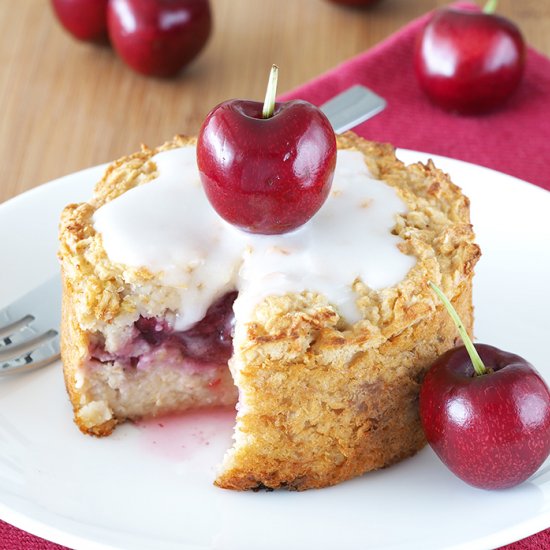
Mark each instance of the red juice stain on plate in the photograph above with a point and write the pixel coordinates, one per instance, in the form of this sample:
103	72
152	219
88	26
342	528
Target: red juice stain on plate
178	437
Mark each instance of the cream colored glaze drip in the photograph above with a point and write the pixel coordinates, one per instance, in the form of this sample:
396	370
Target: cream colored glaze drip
168	226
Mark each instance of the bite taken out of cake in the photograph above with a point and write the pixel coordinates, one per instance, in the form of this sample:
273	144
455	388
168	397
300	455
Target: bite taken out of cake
320	336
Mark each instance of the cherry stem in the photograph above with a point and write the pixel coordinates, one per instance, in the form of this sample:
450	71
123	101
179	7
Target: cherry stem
479	367
271	92
490	6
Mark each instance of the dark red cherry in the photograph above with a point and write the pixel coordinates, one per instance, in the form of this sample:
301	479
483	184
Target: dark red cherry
84	19
266	174
485	412
469	61
159	37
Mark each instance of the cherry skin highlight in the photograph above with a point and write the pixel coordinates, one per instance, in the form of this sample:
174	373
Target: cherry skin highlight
266	175
491	430
160	37
469	61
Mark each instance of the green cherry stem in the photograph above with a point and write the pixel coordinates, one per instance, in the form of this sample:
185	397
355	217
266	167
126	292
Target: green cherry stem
479	367
490	6
271	92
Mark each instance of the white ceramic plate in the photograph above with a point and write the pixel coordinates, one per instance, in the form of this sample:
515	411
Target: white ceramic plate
150	486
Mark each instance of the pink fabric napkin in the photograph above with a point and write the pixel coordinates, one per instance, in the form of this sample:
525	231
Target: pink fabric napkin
12	538
515	140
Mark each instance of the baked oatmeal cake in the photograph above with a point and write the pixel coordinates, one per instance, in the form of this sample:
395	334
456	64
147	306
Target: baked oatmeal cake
320	337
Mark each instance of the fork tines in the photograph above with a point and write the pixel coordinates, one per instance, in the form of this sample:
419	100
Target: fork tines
29	329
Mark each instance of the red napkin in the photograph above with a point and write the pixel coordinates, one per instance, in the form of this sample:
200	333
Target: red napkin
12	538
515	140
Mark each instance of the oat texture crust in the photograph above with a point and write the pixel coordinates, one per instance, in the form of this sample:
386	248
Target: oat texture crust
320	400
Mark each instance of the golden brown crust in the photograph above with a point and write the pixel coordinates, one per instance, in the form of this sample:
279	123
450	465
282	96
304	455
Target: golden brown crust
74	351
321	400
333	416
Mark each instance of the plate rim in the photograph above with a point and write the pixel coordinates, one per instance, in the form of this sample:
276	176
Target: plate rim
40	528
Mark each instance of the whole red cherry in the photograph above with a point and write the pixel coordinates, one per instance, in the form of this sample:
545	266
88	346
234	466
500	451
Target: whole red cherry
469	61
84	19
486	414
266	168
159	37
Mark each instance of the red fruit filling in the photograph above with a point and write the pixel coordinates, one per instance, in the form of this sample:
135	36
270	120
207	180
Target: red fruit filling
208	342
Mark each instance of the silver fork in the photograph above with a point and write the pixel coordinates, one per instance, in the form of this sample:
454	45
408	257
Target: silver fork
29	327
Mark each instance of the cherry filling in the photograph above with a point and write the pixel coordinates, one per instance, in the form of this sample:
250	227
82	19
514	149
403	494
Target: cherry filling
210	341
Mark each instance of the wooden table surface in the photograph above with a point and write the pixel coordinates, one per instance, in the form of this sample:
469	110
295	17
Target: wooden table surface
67	105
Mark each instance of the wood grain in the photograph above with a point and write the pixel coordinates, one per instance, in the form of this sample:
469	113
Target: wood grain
67	105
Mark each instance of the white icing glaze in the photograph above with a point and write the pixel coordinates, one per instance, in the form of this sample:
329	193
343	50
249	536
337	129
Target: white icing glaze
168	226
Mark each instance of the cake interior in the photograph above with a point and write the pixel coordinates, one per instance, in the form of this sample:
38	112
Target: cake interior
208	342
155	369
